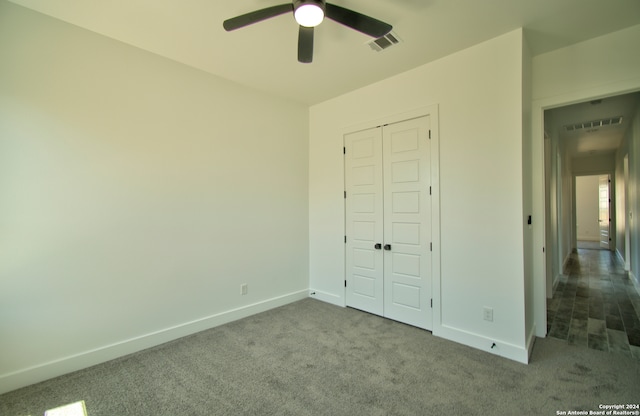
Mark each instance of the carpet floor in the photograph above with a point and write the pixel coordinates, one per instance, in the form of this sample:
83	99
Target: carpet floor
312	358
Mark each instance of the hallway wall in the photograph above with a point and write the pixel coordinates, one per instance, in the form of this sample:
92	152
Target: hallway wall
559	195
630	147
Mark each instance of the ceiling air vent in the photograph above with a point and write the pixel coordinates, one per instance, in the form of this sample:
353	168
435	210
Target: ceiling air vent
384	42
594	124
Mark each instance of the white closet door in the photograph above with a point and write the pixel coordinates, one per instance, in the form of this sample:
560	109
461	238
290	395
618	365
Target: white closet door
407	222
364	220
388	221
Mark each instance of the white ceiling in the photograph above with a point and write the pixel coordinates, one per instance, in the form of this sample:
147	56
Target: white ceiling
263	55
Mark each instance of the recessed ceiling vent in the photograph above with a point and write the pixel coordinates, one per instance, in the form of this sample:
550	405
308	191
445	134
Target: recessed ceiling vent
384	42
594	124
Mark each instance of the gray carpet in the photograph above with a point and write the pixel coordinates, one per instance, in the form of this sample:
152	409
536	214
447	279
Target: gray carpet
312	358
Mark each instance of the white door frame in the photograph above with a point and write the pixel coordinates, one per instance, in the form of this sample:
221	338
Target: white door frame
432	112
541	280
627	212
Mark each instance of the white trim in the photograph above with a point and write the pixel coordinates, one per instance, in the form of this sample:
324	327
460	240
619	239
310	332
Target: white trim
620	257
635	281
327	297
430	110
565	261
556	280
41	372
531	340
436	283
493	346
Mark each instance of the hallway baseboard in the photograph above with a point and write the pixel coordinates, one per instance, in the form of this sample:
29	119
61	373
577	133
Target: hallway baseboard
636	282
620	256
556	280
567	260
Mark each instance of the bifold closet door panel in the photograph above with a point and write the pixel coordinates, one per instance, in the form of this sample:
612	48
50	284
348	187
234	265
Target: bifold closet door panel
407	222
364	220
388	221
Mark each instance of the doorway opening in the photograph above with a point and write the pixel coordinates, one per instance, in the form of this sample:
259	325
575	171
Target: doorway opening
593	212
584	140
586	176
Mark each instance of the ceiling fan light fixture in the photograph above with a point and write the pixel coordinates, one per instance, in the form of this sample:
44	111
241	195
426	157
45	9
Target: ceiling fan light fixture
309	13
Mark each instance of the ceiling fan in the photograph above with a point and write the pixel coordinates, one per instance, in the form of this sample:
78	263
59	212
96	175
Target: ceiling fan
308	14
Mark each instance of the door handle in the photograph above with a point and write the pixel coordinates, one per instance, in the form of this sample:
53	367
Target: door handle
387	246
378	246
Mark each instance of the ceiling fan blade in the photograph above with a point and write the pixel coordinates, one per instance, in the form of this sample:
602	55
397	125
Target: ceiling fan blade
305	45
360	22
256	16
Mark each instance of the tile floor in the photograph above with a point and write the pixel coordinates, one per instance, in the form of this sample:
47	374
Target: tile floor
595	304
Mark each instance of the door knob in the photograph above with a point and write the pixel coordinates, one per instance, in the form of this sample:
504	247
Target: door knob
378	246
387	246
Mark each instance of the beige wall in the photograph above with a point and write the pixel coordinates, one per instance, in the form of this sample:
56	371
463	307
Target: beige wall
479	94
136	196
628	207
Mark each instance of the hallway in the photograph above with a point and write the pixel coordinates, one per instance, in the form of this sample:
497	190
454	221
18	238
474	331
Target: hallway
595	304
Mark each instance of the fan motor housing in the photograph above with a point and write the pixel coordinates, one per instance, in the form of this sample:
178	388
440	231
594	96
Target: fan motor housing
319	3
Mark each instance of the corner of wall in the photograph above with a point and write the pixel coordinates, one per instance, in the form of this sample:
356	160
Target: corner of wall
519	353
327	297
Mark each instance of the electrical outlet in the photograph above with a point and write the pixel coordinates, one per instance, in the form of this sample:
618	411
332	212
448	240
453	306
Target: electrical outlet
488	314
244	289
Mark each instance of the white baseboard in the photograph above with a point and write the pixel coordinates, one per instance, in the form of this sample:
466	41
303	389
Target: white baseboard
588	238
556	280
636	282
565	261
623	261
480	342
504	349
633	278
531	340
327	297
35	374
